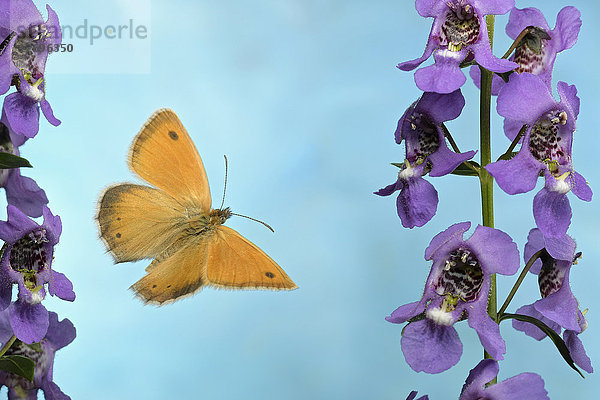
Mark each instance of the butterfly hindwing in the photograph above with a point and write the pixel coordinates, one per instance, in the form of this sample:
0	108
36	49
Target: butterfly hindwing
164	155
236	263
138	222
175	273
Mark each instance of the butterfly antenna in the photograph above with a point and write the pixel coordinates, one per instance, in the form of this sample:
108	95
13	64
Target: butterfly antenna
224	186
254	219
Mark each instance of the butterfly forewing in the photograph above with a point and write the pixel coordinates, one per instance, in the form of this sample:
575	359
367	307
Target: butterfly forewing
164	155
138	221
235	262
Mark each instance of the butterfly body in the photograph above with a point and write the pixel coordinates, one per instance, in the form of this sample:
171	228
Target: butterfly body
173	223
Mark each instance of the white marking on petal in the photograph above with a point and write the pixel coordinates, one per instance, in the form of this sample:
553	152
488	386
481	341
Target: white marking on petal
440	316
36	297
561	185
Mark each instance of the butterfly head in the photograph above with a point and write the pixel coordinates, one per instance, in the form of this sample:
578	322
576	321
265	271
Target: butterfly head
218	216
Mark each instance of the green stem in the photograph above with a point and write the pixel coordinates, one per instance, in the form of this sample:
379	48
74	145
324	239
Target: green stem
7	345
518	282
487	182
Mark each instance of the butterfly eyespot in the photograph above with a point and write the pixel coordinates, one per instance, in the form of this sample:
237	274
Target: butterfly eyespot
173	135
269	275
118	235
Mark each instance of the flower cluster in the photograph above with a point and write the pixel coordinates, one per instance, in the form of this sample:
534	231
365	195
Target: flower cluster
460	279
28	252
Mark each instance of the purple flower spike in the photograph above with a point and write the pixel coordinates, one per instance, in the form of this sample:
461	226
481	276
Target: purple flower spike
459	31
546	147
24	60
537	51
27	262
527	385
457	288
58	335
426	152
22	192
558	308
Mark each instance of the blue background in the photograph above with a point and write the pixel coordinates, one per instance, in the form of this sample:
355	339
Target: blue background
303	98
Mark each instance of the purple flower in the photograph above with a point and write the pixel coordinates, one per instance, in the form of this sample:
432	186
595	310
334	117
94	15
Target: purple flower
426	152
557	308
27	261
457	288
413	394
23	61
22	192
59	335
546	147
459	32
527	385
537	51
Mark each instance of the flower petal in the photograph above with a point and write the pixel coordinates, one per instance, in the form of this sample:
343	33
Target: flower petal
487	330
577	351
60	333
406	312
535	242
18	15
60	286
485	58
18	224
429	8
561	307
53	226
22	113
569	99
495	7
581	188
429	347
517	175
47	111
53	392
552	213
445	75
524	98
526	385
495	250
530	329
512	128
25	194
478	377
29	321
441	107
389	189
417	202
520	19
429	47
446	240
568	24
444	160
53	26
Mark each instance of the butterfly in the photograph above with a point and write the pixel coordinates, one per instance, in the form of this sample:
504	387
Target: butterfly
172	222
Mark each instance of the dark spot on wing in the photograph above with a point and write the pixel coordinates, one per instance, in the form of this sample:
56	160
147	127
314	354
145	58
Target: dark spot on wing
173	135
269	275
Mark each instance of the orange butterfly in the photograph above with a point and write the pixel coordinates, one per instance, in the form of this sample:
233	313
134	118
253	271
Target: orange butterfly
173	222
